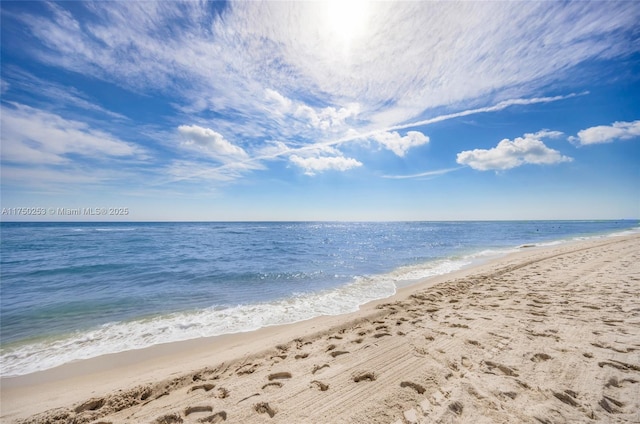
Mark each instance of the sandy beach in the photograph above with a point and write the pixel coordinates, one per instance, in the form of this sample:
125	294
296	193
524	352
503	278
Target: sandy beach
545	335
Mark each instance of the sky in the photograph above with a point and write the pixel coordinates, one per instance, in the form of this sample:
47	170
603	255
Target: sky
334	110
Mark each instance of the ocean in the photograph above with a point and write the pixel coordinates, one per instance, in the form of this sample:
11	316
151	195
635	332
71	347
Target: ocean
71	291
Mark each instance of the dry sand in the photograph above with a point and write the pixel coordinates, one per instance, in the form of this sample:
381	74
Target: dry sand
542	336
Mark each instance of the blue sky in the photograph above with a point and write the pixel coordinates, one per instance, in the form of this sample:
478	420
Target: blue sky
336	110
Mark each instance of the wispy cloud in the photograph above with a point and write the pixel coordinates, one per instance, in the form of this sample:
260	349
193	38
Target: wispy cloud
42	149
4	86
607	133
181	170
444	55
263	81
494	108
52	93
509	154
423	174
34	136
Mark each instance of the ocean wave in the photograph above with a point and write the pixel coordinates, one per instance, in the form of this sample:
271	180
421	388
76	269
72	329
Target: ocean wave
629	232
138	334
258	275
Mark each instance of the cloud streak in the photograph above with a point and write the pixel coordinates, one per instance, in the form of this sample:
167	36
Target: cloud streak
34	136
423	174
487	109
53	93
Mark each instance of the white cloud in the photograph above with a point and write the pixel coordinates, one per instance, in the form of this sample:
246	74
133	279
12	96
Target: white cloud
282	103
426	55
35	136
399	144
508	154
327	118
211	142
312	165
287	77
607	133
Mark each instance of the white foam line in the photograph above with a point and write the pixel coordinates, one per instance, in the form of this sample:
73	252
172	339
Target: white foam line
214	321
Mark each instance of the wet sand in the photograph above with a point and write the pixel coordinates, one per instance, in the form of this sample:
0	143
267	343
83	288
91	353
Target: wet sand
546	335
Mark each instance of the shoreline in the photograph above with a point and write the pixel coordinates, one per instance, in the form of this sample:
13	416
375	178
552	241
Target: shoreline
136	325
25	396
458	262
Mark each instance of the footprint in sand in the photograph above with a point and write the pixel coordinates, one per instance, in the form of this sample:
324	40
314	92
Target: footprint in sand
246	369
264	408
367	376
465	362
323	387
456	407
510	395
279	376
91	405
197	409
168	419
206	387
378	335
619	365
568	397
505	369
218	417
540	357
282	357
614	382
222	393
317	368
606	403
418	388
275	384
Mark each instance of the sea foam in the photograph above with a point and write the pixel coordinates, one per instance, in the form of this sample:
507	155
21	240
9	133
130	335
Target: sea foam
142	333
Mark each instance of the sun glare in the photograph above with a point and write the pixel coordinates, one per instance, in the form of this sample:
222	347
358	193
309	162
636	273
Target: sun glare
347	20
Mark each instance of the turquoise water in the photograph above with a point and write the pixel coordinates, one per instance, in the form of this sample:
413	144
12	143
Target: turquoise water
76	290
